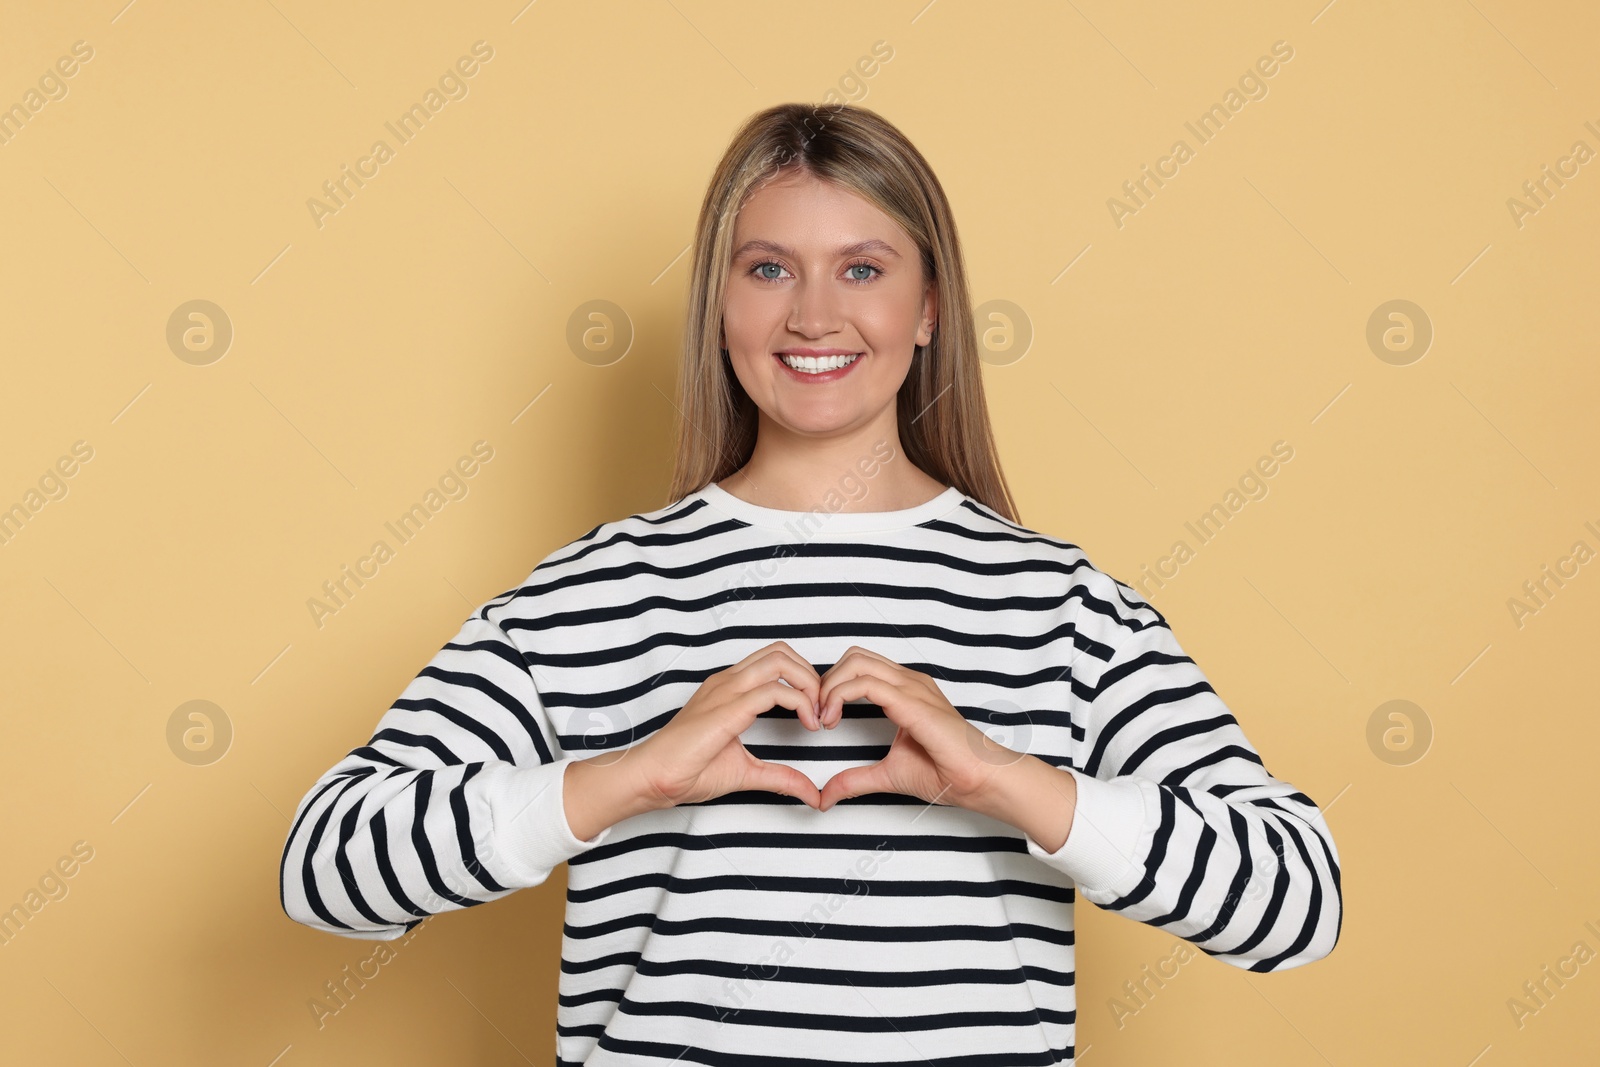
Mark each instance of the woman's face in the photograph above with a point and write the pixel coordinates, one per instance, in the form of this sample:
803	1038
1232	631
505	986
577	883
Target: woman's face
816	267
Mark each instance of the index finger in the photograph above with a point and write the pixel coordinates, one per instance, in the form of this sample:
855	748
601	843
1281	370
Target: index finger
784	648
778	660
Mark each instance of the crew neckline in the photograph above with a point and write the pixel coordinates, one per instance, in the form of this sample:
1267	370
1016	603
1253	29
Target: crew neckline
830	522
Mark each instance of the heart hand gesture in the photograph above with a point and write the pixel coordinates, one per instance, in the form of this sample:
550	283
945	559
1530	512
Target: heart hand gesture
936	754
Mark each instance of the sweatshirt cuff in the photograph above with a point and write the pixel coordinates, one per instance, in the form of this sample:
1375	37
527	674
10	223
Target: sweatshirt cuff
529	818
1110	831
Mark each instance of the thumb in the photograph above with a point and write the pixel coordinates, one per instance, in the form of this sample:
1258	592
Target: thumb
776	778
855	781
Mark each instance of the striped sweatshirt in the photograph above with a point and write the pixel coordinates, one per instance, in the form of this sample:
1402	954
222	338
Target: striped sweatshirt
752	929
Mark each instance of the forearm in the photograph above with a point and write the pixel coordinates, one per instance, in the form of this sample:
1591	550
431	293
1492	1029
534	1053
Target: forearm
1255	884
1034	797
599	792
369	854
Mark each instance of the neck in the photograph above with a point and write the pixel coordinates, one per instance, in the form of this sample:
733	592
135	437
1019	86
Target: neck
869	470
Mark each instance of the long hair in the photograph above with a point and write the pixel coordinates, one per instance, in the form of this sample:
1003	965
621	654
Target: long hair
942	417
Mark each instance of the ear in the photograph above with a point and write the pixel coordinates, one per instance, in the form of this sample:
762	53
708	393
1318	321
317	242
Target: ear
930	314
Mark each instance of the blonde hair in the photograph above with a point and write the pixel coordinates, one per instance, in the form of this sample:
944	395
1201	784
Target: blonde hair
941	414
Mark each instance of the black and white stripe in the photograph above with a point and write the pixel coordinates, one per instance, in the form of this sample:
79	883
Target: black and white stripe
751	929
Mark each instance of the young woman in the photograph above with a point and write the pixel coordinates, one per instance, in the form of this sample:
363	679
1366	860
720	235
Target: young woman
830	743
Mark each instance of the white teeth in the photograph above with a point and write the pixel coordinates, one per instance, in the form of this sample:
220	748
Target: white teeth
818	364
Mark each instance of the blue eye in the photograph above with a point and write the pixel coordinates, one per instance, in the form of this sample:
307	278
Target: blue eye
756	270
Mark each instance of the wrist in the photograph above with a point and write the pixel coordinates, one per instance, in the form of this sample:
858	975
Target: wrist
636	778
1034	797
606	789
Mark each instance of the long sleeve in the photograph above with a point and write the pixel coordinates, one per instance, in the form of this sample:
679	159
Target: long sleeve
1178	823
456	800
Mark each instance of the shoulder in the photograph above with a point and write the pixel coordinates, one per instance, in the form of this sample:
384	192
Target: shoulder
1105	609
610	551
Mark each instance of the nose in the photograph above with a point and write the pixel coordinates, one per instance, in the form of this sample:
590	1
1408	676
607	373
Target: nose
814	313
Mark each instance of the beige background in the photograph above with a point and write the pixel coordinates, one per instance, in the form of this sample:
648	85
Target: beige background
1168	354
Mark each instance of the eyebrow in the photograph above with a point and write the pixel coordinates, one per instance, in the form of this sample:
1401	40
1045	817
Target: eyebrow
871	244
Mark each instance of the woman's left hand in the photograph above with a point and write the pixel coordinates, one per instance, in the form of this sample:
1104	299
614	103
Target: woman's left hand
937	754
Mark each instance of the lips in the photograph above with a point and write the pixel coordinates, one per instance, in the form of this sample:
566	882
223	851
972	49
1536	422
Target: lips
817	363
817	377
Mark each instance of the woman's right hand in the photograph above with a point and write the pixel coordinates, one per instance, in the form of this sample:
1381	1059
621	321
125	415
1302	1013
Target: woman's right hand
698	755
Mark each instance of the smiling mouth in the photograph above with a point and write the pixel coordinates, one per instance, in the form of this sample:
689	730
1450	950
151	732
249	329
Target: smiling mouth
817	364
